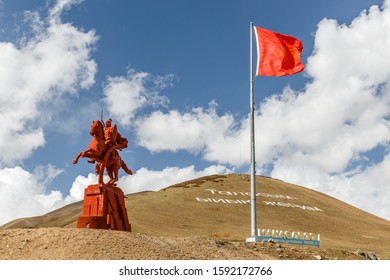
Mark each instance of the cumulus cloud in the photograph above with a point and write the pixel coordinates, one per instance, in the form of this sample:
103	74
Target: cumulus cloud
23	194
125	96
195	130
342	114
53	60
318	136
80	183
61	5
367	189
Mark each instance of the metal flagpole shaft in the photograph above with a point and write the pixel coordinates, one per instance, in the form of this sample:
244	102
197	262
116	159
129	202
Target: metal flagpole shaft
253	237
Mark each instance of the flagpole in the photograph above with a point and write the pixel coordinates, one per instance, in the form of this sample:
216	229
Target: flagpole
253	237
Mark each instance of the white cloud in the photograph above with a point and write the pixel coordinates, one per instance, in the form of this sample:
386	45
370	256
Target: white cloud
195	131
52	61
367	189
59	7
46	174
342	114
23	194
80	183
125	96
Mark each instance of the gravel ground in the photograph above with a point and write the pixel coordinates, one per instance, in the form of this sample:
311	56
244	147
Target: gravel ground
92	244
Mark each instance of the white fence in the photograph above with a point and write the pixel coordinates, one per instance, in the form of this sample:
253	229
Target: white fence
294	237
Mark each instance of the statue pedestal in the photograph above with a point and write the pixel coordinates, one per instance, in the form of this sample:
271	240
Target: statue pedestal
104	208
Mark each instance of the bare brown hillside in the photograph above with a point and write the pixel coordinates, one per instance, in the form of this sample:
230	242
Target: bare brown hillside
206	218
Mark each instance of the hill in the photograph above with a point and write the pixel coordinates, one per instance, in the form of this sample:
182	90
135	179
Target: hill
213	213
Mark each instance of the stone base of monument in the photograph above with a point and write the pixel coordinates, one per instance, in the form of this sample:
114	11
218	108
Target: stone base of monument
104	208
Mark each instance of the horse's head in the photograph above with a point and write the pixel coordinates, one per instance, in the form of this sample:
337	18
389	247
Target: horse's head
96	128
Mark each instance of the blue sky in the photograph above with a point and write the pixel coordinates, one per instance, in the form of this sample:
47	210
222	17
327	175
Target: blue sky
181	70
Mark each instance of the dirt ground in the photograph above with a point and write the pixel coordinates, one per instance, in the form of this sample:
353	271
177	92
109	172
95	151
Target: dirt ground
92	244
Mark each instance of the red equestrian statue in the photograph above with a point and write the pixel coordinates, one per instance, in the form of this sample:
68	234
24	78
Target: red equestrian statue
104	205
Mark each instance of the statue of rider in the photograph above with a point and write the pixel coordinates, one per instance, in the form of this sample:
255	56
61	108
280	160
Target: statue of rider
113	137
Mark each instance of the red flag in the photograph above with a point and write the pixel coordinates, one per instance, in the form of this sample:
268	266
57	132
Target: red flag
277	54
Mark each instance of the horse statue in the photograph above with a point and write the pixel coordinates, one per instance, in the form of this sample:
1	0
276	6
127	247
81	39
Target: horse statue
103	149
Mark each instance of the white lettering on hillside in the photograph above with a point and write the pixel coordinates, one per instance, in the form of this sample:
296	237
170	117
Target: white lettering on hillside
283	204
213	191
221	200
267	203
248	201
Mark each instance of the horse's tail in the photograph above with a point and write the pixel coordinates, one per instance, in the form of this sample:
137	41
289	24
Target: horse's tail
125	168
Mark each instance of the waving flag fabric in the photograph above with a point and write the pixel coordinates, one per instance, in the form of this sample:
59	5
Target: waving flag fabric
277	54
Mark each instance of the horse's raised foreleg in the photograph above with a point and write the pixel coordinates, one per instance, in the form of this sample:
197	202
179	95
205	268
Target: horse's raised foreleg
76	159
88	154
